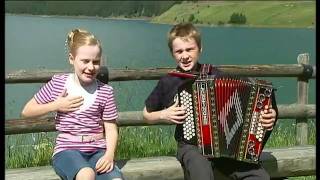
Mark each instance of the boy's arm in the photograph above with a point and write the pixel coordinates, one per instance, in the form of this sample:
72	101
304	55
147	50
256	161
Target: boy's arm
269	115
152	117
275	117
173	114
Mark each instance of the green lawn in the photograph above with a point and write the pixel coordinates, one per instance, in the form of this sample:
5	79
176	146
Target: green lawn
292	14
134	142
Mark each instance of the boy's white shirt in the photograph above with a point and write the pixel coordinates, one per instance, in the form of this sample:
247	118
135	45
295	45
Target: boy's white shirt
74	89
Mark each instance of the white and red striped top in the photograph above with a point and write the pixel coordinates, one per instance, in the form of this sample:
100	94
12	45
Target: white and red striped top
98	106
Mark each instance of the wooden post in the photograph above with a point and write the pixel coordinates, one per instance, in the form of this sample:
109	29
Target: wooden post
302	87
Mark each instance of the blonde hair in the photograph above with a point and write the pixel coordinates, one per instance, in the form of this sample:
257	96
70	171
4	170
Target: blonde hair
79	37
184	31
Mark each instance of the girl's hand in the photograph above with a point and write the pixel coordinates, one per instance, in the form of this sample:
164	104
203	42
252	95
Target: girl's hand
174	114
67	103
105	164
268	117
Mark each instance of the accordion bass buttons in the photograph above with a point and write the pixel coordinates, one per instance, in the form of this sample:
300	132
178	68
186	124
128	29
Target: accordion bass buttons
251	150
254	123
267	92
260	132
262	97
259	105
256	127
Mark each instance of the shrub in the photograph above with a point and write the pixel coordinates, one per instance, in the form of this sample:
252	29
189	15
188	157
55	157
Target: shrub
237	18
191	18
220	23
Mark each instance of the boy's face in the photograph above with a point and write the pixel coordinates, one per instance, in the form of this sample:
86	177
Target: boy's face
186	53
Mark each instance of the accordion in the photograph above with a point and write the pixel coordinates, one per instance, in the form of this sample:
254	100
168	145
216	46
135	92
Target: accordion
223	115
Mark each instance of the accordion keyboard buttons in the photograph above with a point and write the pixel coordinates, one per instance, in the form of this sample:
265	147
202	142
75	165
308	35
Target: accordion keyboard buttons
188	126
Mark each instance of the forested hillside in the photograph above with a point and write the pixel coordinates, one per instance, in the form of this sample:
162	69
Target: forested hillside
126	9
294	14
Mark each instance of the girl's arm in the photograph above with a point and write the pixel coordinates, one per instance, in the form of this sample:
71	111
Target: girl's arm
63	103
109	116
111	131
33	109
106	162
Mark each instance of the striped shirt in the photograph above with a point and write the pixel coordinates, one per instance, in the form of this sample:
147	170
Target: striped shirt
98	106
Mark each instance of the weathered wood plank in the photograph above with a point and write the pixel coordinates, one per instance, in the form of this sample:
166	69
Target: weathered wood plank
145	168
302	94
280	162
275	70
134	118
291	111
293	161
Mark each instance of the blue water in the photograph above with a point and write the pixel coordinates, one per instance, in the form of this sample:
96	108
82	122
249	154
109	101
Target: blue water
35	42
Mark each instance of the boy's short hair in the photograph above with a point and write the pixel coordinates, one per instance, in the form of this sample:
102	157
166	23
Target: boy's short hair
185	31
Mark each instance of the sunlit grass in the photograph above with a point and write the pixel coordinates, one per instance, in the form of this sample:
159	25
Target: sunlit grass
37	153
146	141
303	178
134	142
258	13
283	134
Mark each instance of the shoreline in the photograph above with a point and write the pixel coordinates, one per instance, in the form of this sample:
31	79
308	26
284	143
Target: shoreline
149	20
82	17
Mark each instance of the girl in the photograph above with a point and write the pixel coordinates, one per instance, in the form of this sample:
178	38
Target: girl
86	114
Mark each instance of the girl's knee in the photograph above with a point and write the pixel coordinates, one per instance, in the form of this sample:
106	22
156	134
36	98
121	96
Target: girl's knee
86	173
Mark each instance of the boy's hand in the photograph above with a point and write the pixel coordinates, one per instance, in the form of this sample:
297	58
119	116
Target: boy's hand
174	114
105	164
66	103
268	117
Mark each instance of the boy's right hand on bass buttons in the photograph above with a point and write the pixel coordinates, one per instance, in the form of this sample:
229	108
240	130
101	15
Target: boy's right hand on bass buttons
174	113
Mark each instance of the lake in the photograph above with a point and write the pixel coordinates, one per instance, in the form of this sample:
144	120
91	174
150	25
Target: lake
38	42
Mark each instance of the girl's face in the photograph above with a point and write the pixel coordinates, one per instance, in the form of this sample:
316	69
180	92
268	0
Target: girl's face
186	53
86	63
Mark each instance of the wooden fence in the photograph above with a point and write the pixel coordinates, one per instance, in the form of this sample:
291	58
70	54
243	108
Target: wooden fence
300	110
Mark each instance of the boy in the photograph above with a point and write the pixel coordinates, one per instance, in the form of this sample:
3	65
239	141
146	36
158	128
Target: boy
184	42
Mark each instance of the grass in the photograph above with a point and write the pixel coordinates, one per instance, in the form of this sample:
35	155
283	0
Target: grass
284	134
134	142
292	14
38	152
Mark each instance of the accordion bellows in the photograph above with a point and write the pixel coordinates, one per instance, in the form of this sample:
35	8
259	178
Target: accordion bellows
223	116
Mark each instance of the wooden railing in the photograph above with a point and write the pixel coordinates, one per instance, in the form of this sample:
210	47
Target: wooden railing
300	110
134	118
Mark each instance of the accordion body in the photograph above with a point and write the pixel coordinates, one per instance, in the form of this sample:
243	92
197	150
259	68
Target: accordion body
223	116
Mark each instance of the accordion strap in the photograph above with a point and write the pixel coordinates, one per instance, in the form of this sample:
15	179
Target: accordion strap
205	70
